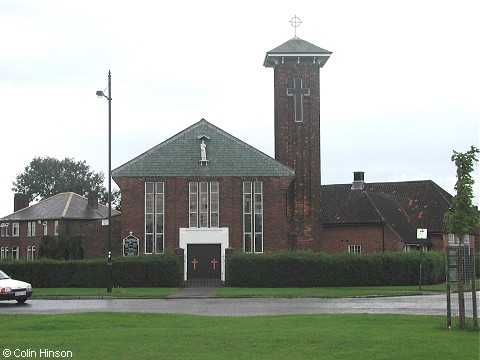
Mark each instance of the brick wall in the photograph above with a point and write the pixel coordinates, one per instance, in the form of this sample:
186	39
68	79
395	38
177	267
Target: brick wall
231	209
65	227
95	242
372	238
297	145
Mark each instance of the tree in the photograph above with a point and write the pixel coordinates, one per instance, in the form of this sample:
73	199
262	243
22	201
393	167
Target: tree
463	219
48	176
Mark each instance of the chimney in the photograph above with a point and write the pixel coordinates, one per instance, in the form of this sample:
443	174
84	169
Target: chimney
20	201
93	199
358	180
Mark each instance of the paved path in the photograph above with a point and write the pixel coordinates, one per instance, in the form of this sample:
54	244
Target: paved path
194	292
410	305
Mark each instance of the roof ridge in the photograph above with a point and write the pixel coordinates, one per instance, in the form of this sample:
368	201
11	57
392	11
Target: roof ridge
401	208
441	191
67	205
367	193
387	223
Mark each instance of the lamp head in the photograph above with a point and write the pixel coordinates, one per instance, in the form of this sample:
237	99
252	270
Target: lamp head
100	93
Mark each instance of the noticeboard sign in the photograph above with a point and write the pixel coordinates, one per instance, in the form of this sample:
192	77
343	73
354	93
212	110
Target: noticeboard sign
130	246
422	234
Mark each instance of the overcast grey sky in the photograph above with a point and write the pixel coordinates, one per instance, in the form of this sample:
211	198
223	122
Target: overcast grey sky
398	94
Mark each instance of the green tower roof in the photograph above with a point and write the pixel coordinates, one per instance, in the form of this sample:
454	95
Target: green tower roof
296	47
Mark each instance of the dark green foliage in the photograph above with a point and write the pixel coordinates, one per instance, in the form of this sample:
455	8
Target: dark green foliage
62	247
144	271
48	176
307	269
464	218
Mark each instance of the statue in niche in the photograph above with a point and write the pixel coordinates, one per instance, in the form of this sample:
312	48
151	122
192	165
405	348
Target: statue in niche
203	151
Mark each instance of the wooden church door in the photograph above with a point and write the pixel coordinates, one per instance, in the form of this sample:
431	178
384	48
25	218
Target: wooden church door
204	264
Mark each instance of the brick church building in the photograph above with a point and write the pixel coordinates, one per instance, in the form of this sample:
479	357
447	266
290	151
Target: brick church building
204	191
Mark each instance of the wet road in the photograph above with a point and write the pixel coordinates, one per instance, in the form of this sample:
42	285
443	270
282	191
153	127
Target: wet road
410	305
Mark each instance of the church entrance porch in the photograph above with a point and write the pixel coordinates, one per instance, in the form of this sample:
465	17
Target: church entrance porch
204	265
204	255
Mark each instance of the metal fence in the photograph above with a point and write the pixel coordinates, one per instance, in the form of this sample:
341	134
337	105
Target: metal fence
462	297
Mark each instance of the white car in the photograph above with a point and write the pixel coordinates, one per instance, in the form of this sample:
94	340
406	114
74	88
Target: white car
11	289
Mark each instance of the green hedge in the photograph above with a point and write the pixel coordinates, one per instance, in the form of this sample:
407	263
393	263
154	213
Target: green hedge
289	269
307	269
144	271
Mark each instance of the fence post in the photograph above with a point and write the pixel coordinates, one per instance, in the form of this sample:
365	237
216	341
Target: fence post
449	300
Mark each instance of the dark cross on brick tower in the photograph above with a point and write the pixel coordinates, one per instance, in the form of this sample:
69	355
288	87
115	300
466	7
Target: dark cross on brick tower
298	92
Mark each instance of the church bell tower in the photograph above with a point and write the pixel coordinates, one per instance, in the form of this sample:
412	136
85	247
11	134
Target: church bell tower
296	65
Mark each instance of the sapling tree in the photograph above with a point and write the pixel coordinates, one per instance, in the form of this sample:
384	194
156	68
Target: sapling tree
463	218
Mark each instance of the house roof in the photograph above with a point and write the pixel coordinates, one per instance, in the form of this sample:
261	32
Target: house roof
181	156
296	47
402	206
68	205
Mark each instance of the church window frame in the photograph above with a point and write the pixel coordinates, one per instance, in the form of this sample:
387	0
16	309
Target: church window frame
253	217
204	204
154	217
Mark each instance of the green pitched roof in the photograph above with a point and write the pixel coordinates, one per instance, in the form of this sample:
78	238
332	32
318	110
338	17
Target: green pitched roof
298	48
297	45
180	156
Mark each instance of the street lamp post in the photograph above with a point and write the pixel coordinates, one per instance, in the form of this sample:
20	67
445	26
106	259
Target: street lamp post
109	256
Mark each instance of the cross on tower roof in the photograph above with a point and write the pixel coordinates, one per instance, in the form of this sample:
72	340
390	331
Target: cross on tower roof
295	22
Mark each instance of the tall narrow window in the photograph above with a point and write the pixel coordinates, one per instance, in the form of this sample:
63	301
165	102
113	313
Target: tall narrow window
149	211
45	228
154	217
15	229
56	227
159	217
31	228
214	204
253	216
193	204
204	202
15	252
3	229
31	253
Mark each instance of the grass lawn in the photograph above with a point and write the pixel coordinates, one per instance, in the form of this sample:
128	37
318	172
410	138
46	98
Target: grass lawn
331	292
167	336
116	292
245	292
